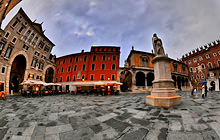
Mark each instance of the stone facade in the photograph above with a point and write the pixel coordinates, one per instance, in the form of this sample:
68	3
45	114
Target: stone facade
138	73
201	60
25	52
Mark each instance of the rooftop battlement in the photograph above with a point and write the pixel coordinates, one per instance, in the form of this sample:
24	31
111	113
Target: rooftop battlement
201	49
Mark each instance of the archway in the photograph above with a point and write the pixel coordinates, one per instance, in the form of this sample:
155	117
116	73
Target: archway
174	80
179	83
212	84
183	82
140	79
126	79
187	83
150	78
49	75
17	73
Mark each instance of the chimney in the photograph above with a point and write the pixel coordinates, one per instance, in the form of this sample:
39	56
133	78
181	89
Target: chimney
132	47
82	51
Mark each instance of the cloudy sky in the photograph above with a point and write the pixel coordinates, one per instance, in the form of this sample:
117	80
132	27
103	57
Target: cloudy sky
74	25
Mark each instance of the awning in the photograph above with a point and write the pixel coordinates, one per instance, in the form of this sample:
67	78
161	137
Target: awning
96	83
36	82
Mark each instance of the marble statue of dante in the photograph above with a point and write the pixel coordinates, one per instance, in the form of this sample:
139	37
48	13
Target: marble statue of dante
157	45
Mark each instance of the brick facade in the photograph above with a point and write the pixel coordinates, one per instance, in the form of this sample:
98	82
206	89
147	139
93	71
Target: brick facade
201	60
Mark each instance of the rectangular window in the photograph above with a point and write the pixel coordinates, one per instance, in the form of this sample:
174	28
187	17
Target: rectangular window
37	53
34	62
41	66
93	66
102	77
15	23
103	57
113	77
43	57
91	77
71	59
62	69
77	59
113	66
114	58
64	60
75	67
8	52
103	66
7	35
94	58
74	78
83	77
2	87
56	80
61	79
14	40
69	68
25	47
57	71
21	29
46	49
41	45
68	79
83	67
2	45
85	58
3	70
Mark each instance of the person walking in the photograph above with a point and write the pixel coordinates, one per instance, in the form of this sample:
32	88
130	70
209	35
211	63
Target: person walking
193	93
204	90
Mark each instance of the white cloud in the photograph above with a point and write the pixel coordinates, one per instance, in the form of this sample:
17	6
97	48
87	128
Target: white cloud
182	25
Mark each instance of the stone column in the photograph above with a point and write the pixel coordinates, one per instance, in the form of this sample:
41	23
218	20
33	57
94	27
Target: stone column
163	93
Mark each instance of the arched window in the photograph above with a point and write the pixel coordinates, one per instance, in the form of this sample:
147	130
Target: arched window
113	66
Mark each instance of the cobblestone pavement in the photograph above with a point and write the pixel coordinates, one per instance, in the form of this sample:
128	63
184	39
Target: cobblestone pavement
123	117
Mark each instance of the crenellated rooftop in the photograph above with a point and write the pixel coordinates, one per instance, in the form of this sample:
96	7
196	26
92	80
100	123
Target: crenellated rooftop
201	49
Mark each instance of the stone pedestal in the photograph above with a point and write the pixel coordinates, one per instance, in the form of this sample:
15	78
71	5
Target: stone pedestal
163	93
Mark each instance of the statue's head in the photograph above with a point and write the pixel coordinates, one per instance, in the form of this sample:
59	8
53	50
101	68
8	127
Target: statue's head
154	35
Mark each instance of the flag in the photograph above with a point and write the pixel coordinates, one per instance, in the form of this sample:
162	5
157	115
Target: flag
11	4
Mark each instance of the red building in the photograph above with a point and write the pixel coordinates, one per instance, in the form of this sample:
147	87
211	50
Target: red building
100	63
201	61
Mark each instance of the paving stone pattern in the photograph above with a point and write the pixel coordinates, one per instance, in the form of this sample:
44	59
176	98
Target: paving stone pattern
123	117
